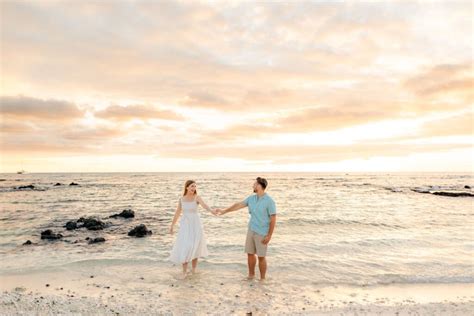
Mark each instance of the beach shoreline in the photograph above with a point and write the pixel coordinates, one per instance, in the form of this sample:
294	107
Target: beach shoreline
72	293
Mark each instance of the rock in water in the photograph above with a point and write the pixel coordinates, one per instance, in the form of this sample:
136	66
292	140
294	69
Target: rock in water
467	187
453	194
140	231
57	183
48	234
92	223
71	225
73	183
96	240
28	242
30	186
420	190
128	213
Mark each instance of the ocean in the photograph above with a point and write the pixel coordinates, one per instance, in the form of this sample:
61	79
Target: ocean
332	228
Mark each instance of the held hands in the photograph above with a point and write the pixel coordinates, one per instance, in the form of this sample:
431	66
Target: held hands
219	211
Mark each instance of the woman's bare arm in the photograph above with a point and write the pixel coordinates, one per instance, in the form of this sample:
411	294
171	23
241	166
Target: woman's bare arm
176	216
204	205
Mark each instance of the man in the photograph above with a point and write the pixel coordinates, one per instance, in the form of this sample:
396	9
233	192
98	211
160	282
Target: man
262	212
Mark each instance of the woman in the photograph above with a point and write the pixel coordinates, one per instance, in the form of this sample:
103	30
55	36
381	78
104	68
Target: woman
191	242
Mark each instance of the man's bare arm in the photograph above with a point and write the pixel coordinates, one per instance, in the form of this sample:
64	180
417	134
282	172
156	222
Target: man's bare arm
234	207
267	238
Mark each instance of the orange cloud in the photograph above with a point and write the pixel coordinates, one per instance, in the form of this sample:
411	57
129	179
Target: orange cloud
144	112
445	80
34	108
257	72
305	154
461	124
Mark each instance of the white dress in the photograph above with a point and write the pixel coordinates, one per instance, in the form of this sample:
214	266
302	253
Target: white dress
191	242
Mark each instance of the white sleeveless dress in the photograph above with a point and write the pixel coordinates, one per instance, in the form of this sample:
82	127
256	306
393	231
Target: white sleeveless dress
191	242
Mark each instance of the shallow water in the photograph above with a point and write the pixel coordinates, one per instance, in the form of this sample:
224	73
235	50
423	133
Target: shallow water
356	229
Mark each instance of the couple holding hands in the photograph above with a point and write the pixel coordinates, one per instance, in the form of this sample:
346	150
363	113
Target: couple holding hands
190	244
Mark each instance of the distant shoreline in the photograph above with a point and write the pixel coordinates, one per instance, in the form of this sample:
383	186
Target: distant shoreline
249	172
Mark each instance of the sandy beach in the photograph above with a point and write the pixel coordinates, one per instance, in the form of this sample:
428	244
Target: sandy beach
217	293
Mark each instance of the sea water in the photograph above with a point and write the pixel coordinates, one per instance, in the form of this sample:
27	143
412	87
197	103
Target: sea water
332	228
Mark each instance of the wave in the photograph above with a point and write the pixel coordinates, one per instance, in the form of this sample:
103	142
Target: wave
414	279
397	279
336	221
108	262
436	190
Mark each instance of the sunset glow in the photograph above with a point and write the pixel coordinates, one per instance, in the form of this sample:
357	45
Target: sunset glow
234	86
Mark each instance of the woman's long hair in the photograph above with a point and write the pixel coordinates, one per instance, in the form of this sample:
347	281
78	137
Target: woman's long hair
186	185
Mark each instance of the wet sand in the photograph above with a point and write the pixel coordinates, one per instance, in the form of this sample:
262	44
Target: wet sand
219	293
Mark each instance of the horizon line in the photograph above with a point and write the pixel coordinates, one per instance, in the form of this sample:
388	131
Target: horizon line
435	171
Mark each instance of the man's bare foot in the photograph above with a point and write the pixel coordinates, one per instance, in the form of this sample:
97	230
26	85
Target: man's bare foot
250	277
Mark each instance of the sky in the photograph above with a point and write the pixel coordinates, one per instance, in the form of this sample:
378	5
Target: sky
151	86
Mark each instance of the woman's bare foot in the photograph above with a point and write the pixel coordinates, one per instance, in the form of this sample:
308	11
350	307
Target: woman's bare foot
183	275
249	277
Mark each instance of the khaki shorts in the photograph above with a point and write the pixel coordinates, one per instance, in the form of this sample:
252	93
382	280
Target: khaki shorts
253	244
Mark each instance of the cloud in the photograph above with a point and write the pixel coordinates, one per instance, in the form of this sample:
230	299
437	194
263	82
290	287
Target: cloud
255	71
204	99
298	121
228	57
305	153
88	133
456	125
144	112
444	80
34	108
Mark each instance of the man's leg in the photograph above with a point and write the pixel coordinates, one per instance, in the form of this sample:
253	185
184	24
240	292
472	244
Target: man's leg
262	266
261	254
250	250
252	262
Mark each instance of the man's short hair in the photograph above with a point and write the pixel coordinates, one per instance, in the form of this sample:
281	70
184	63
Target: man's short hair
263	182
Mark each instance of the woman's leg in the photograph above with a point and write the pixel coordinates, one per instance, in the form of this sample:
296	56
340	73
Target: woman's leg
195	263
185	268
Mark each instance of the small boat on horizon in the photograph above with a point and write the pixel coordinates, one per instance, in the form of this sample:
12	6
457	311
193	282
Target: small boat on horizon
21	171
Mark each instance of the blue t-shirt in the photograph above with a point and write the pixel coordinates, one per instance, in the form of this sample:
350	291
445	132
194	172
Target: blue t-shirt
260	210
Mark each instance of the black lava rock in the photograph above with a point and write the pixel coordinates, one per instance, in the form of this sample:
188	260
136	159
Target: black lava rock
71	225
73	183
92	223
57	183
96	240
453	194
140	231
125	214
467	187
28	242
30	186
48	234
